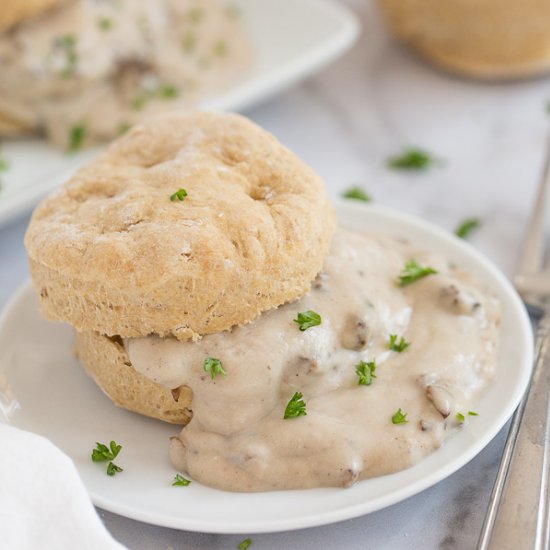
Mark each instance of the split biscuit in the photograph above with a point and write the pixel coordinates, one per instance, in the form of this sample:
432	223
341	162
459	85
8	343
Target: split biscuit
107	362
112	253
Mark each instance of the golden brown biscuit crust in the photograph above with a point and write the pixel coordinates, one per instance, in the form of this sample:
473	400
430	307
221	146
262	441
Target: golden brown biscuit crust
14	12
107	362
487	39
111	252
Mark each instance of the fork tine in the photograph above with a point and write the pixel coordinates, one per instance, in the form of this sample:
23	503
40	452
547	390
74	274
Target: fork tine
533	250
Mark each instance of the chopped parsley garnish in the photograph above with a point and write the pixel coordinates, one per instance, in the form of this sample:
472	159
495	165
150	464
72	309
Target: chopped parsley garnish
168	91
400	346
411	159
356	193
214	367
399	417
244	544
466	227
163	91
473	413
189	42
102	453
112	469
412	272
220	48
105	23
67	44
123	127
365	372
179	195
296	407
196	15
77	134
180	481
308	319
460	417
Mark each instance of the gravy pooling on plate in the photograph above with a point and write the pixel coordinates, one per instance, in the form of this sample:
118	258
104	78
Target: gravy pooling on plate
238	438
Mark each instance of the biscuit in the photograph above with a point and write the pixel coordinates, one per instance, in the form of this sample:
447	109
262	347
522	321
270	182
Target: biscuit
487	39
14	12
107	362
111	252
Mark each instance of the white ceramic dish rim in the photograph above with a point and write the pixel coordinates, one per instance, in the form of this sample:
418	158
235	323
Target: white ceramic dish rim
241	96
524	339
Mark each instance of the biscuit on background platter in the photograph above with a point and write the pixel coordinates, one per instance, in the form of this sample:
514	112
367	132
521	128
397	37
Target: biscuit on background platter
14	12
487	39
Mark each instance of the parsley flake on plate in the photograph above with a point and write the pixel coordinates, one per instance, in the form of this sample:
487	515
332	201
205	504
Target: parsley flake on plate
399	417
356	193
295	407
307	319
473	413
102	453
411	159
460	417
179	195
180	481
214	367
113	469
400	346
366	372
243	545
413	272
466	227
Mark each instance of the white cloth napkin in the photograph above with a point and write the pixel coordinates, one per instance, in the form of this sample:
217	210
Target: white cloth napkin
43	502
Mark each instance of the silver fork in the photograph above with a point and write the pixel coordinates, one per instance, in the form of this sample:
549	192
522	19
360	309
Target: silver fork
518	516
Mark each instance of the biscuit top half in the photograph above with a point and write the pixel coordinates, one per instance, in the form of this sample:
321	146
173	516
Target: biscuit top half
116	251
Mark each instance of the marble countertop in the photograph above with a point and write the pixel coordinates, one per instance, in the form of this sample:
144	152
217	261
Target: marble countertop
345	122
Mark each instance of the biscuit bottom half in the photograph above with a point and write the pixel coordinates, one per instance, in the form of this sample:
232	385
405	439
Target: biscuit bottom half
107	362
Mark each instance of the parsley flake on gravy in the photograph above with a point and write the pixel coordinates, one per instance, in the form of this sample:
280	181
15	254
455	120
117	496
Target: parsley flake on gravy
356	193
67	45
400	346
399	417
411	159
413	271
307	319
179	195
366	372
102	453
295	407
466	227
105	24
244	544
214	367
180	481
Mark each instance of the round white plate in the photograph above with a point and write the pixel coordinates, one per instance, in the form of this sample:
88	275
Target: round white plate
44	390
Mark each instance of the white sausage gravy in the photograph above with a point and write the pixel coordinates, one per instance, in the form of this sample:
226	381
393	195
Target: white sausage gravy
239	440
88	69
